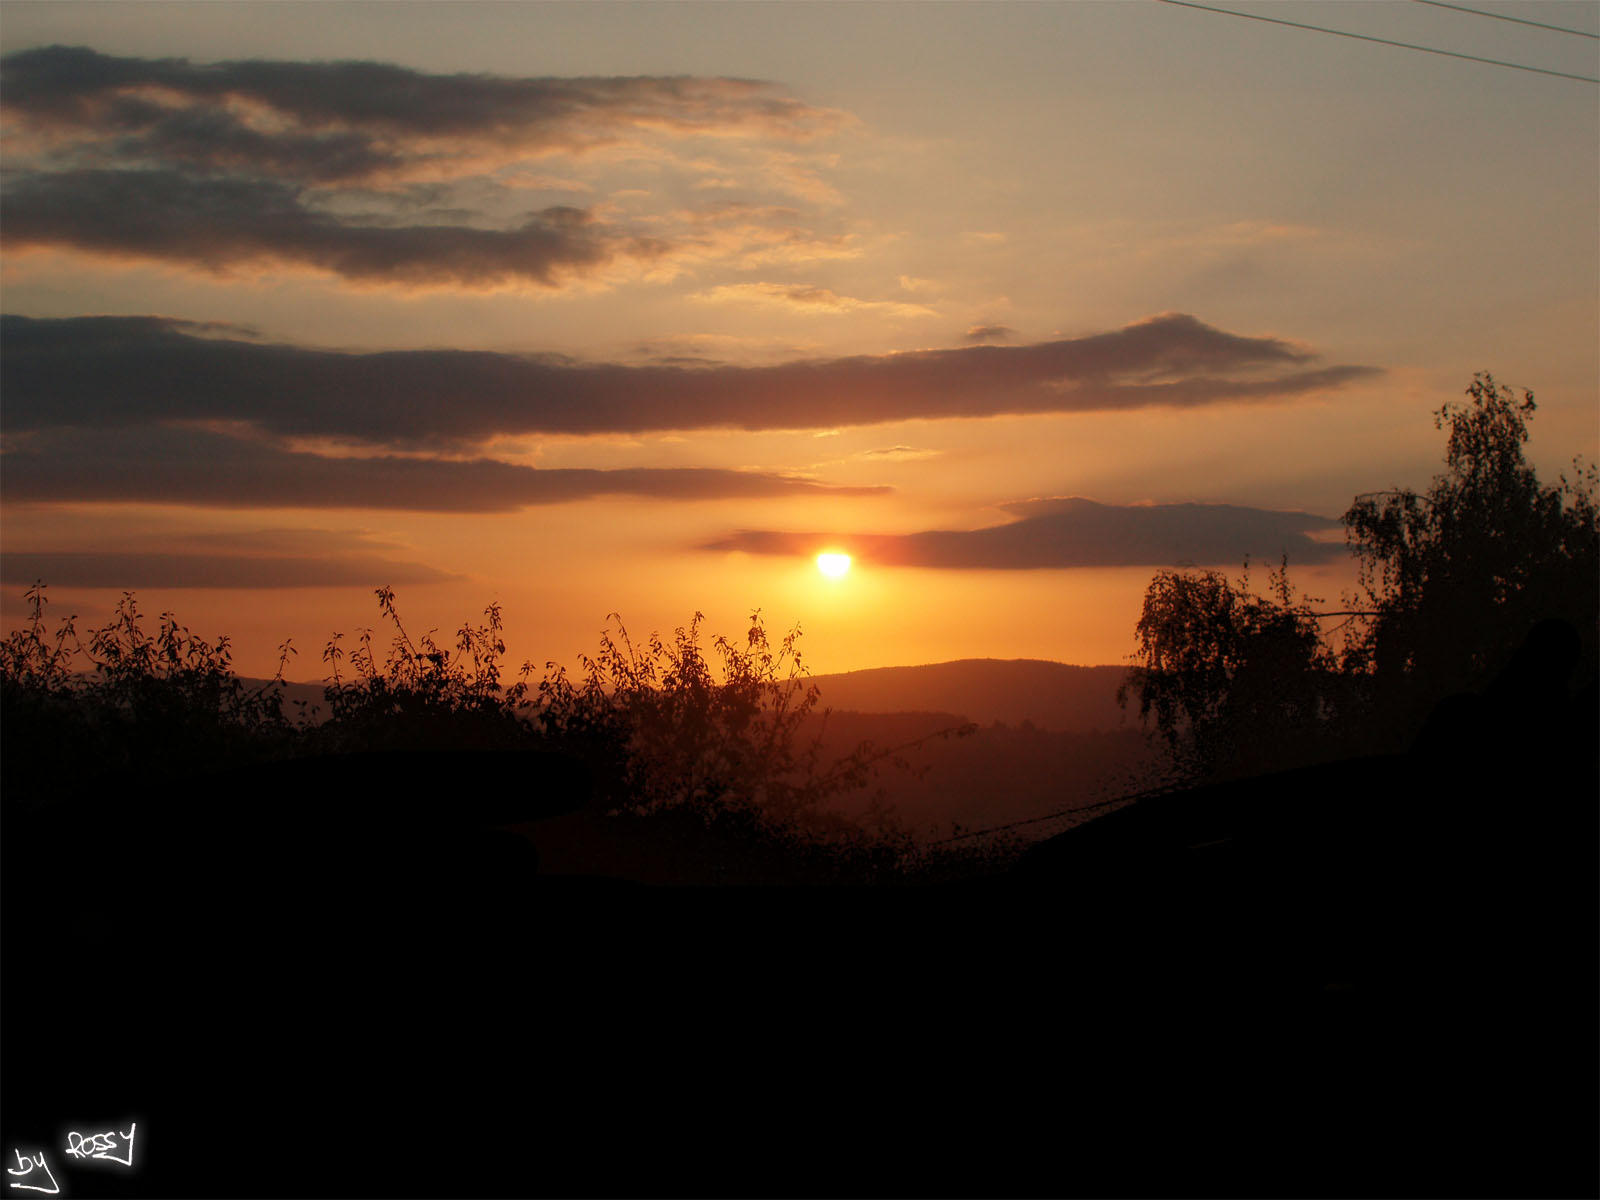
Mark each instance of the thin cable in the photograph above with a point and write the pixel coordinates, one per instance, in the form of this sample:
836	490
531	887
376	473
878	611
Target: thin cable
1065	812
1361	37
1478	12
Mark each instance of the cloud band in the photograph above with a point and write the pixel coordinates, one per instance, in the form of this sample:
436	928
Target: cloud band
1075	532
97	371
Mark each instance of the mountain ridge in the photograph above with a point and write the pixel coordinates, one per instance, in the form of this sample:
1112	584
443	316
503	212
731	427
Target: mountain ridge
1050	695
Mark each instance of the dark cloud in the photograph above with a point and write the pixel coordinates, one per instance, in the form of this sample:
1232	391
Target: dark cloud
218	224
287	540
989	333
339	121
222	165
213	139
99	569
198	467
127	371
1077	533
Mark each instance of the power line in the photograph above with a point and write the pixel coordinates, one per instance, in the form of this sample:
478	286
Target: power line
1362	37
1065	812
1478	12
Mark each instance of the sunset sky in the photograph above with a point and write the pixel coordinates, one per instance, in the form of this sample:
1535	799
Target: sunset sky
586	308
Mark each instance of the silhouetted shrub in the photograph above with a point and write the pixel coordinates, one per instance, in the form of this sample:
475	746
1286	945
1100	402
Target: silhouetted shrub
668	739
128	702
731	749
421	695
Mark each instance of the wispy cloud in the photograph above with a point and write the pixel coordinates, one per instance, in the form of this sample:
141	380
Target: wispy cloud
101	373
746	235
1075	532
989	333
897	454
805	298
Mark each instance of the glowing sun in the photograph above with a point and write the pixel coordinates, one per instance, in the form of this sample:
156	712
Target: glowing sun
834	565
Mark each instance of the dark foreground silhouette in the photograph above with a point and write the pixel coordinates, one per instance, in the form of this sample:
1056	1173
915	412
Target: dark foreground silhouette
349	976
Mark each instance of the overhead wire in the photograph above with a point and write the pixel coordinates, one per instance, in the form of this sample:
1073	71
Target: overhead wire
1362	37
1063	812
1478	12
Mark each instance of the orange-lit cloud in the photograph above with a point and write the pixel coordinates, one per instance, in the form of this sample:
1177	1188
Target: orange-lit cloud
1075	532
100	372
898	454
805	298
746	235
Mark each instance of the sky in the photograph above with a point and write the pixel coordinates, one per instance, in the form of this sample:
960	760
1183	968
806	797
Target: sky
635	309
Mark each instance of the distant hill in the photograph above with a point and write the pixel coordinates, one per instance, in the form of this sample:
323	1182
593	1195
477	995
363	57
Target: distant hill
1051	695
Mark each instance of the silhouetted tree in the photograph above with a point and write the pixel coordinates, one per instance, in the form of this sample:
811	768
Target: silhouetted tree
1451	581
1232	679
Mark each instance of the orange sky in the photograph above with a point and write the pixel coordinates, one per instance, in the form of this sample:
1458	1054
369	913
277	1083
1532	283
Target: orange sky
583	309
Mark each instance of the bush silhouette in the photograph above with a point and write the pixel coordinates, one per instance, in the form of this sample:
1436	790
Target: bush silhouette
741	746
663	733
421	695
149	706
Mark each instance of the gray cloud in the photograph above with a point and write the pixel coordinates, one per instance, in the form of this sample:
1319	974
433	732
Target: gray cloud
220	165
129	371
212	139
989	333
184	465
286	540
339	121
1075	532
99	569
217	224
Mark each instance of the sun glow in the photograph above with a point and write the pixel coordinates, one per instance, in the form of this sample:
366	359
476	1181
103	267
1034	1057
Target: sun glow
833	565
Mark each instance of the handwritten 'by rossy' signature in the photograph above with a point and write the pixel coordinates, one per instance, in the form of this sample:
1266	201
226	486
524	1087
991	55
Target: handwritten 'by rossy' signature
101	1146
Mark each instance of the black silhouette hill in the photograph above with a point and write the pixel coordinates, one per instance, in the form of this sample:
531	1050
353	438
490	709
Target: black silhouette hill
1447	894
1051	695
350	976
